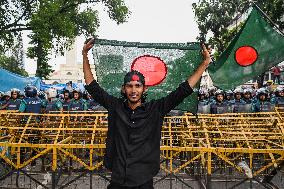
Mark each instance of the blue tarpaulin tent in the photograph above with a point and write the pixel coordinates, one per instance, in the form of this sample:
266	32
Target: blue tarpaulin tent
61	86
9	80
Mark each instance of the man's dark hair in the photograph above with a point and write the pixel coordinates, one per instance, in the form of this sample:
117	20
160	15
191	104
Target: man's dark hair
69	94
134	75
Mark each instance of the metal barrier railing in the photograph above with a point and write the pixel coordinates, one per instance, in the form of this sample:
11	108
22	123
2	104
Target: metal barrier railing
203	145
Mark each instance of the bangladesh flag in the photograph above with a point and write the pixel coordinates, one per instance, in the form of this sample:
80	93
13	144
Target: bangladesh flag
164	65
256	48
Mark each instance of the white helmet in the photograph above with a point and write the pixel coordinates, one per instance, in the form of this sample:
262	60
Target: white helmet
15	90
279	89
7	93
219	92
247	90
51	93
238	90
262	91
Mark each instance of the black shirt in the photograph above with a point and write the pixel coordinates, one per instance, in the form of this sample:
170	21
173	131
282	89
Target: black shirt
133	138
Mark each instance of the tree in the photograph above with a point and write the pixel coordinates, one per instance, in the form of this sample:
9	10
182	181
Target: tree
10	63
13	60
18	51
219	17
53	24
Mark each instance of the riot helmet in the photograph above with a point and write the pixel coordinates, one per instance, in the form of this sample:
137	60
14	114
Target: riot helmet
30	91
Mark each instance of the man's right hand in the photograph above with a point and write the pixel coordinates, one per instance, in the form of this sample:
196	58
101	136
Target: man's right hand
88	46
86	66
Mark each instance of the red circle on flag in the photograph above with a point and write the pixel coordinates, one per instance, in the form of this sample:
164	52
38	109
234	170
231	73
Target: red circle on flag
153	68
246	55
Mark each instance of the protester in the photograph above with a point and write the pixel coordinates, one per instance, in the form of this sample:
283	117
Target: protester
134	126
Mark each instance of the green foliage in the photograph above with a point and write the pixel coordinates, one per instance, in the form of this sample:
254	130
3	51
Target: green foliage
14	63
218	18
54	24
11	64
117	10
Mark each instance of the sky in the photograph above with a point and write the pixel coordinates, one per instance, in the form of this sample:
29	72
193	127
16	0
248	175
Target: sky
150	21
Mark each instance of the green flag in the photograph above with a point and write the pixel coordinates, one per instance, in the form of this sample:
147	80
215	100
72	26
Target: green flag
256	48
113	59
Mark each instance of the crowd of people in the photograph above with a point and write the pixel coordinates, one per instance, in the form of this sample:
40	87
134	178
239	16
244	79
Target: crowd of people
210	101
240	100
32	100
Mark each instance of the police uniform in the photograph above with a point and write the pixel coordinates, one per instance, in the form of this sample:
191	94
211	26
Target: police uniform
262	105
237	105
203	106
219	107
65	104
31	105
278	99
247	106
92	105
78	105
53	105
13	104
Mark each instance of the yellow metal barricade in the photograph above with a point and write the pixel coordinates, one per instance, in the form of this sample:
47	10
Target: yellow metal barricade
199	145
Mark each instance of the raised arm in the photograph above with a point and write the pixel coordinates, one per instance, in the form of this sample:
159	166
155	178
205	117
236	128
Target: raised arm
186	88
195	77
86	65
99	94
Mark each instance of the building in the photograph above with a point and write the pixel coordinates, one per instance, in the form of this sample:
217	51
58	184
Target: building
72	70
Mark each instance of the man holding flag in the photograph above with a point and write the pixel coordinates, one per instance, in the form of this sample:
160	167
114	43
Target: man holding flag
134	126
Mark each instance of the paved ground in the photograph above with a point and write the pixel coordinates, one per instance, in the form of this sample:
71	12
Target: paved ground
100	183
223	180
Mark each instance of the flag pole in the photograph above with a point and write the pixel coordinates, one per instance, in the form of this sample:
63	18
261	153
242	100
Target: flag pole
266	16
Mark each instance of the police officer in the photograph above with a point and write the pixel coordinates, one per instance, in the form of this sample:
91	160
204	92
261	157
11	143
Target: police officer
248	101
1	100
211	92
5	99
278	100
42	96
229	95
247	96
92	104
66	100
262	103
269	86
53	103
203	103
78	103
220	106
21	95
31	103
237	103
14	102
